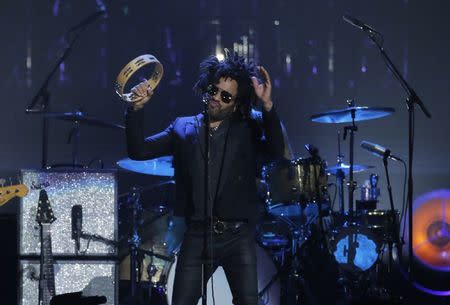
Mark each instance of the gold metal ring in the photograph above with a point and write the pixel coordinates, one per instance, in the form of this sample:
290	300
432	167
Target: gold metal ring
130	69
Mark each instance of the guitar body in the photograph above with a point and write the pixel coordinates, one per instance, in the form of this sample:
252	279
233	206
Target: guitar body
9	192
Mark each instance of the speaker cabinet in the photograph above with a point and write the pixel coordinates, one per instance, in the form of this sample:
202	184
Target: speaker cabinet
93	278
96	192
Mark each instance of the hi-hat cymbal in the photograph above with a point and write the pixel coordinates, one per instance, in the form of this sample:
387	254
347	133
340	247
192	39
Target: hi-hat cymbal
79	116
157	167
362	113
345	168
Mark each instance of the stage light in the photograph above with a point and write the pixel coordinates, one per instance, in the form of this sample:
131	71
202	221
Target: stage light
431	242
431	230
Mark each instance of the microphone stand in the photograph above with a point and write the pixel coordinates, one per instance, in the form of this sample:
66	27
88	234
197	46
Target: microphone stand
411	101
394	238
206	216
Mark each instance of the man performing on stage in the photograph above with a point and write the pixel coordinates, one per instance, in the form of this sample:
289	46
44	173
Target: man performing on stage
239	138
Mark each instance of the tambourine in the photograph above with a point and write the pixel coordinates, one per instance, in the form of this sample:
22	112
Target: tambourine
131	68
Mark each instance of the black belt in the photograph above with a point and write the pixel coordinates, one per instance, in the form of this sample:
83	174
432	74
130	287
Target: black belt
218	226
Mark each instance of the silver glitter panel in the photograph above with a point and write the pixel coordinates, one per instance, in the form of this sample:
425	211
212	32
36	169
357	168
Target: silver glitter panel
96	192
97	278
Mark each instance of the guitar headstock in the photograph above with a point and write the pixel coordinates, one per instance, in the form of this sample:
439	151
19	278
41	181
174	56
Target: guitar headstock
44	213
9	192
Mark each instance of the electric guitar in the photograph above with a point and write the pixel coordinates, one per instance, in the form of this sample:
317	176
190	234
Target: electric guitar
9	192
45	218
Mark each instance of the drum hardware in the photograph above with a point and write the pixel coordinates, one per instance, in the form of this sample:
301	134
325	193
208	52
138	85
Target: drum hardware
134	242
314	152
351	114
161	208
412	100
358	239
42	97
355	247
78	118
369	194
345	168
394	234
291	184
149	239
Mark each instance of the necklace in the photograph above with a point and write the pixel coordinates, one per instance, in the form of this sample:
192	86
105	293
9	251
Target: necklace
212	130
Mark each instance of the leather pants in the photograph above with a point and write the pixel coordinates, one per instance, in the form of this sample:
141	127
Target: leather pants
233	250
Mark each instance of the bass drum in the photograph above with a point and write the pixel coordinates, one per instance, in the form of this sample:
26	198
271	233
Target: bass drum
269	293
355	248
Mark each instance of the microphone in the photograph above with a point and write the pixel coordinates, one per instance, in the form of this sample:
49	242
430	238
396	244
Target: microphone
77	225
379	150
359	24
89	19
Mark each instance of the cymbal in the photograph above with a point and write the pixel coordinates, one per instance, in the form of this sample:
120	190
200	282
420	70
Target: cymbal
157	167
79	116
333	170
362	113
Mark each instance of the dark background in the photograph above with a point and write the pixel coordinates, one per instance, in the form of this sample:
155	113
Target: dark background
315	59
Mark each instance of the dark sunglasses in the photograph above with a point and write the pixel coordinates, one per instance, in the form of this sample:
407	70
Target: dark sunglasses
225	96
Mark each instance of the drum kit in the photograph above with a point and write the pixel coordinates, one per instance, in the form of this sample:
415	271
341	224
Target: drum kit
298	210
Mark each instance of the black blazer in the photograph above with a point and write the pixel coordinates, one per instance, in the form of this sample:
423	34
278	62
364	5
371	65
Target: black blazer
250	141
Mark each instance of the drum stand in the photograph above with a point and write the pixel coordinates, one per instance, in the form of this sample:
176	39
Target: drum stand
290	275
340	176
351	129
351	184
134	242
136	252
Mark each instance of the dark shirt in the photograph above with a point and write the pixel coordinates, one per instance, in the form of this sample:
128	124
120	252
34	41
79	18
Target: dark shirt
217	143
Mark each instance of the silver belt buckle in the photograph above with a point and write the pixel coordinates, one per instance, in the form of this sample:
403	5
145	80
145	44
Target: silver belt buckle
219	227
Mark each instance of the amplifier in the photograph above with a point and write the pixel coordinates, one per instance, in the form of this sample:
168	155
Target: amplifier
92	278
95	194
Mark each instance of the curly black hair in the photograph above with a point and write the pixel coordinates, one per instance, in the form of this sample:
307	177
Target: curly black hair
235	67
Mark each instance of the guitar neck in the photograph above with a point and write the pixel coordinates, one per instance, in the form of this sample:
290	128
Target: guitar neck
47	274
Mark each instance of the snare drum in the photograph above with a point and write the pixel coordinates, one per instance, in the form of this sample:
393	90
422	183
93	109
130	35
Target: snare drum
291	183
379	222
266	270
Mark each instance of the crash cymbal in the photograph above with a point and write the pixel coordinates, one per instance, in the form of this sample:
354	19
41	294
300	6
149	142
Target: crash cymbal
333	170
157	167
80	117
362	113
